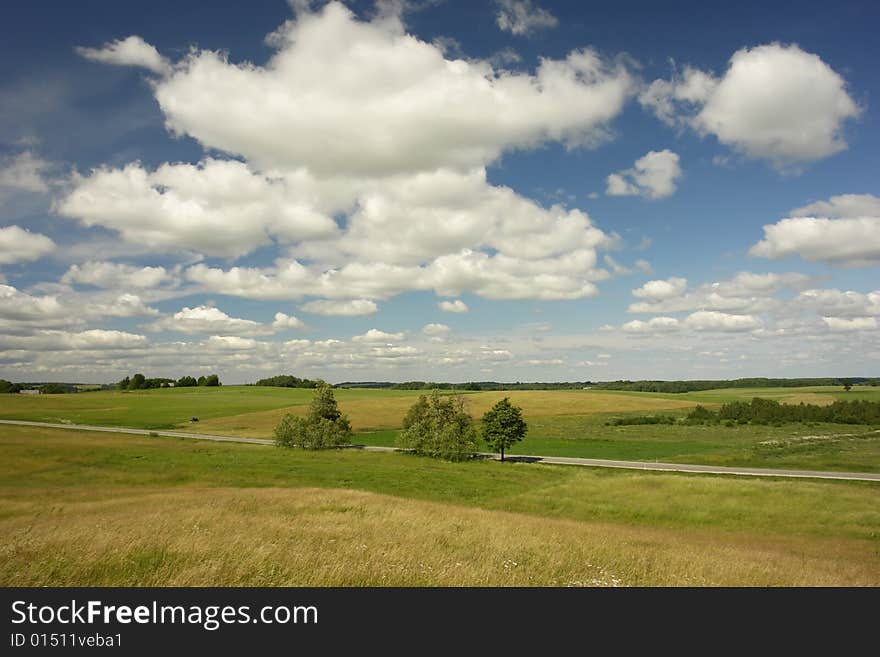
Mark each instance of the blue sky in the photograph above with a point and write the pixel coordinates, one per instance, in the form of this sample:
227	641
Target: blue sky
501	190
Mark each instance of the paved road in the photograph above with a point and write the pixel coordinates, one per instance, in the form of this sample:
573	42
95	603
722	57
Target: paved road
557	460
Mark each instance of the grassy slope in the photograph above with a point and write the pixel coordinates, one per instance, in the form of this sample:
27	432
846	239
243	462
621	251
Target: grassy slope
562	423
89	509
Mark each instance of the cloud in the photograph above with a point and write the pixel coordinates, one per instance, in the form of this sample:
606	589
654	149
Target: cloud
835	303
745	292
89	340
20	306
116	275
284	322
366	99
846	242
20	245
131	51
659	290
522	17
775	102
843	206
350	308
455	306
709	320
125	305
218	207
653	325
230	343
392	150
212	321
854	324
653	176
436	329
24	172
844	230
375	335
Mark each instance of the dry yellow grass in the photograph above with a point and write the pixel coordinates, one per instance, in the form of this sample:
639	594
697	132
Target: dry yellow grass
368	413
321	537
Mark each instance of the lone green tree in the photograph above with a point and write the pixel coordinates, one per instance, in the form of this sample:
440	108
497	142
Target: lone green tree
503	425
439	427
324	426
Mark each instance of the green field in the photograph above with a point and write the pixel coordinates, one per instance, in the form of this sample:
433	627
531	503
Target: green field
561	423
92	509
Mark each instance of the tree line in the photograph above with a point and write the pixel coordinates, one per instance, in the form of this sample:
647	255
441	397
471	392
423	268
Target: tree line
769	411
466	386
8	387
289	381
140	382
758	382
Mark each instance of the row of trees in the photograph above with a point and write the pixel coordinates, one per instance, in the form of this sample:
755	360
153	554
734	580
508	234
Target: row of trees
435	425
8	387
487	385
757	382
140	382
289	381
768	411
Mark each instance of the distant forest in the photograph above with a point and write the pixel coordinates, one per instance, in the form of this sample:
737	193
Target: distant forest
768	411
633	386
139	382
289	381
691	386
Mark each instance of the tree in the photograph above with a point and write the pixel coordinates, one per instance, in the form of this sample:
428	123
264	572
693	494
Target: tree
137	382
186	382
439	427
202	381
847	386
212	380
324	426
503	426
123	385
8	387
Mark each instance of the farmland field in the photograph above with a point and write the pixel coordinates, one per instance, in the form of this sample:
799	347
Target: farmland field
88	509
561	423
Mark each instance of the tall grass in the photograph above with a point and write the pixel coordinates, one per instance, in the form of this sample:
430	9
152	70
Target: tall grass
102	509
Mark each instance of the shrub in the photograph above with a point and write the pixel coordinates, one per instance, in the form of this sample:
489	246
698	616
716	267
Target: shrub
439	427
324	426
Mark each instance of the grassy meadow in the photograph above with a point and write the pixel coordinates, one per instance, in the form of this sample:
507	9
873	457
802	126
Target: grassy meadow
561	422
79	508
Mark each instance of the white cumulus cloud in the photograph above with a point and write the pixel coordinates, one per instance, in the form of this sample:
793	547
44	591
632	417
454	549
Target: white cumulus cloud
25	172
653	325
365	98
854	324
210	321
112	275
349	308
20	245
775	102
377	336
659	290
455	306
436	329
130	51
653	176
711	320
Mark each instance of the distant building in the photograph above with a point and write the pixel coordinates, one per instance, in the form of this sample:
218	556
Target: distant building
29	392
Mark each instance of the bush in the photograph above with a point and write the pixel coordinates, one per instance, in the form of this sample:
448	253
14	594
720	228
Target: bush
324	427
642	419
439	427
